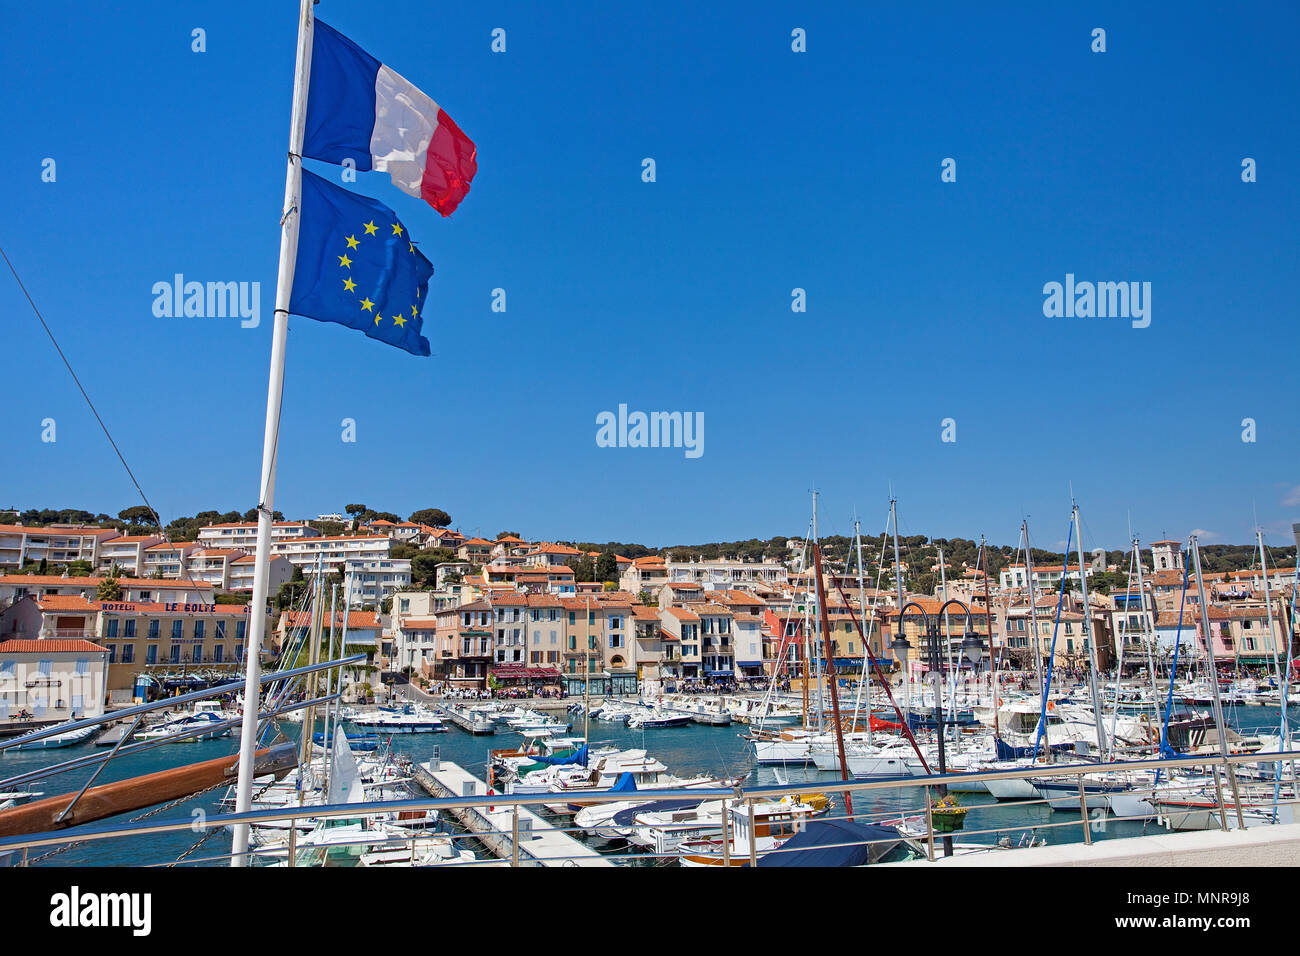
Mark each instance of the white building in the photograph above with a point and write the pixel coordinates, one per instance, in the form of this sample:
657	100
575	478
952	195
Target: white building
243	534
53	679
22	544
126	552
724	575
241	573
370	580
334	551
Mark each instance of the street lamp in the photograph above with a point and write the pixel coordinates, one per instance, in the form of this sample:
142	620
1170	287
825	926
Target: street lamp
972	649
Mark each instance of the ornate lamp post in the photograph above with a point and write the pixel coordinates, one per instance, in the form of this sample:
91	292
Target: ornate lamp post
972	649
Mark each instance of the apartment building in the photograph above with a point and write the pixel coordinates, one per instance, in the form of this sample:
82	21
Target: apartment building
24	544
333	551
168	559
243	534
648	574
125	552
241	573
368	580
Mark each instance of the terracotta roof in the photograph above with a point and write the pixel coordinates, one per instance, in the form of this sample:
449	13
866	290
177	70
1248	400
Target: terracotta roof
52	645
682	614
12	579
65	602
60	532
643	613
711	609
419	623
740	597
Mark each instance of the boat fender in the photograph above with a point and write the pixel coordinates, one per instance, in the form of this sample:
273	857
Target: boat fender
491	793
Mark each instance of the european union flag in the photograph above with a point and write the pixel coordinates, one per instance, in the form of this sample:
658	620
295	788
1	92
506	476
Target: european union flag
357	266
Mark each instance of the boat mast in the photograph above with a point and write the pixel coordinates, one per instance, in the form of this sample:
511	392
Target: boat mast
1087	633
1214	672
819	639
1268	605
1033	605
830	674
270	438
586	681
898	585
866	651
1147	639
988	619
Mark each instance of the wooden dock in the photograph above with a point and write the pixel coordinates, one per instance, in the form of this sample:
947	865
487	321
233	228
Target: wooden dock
540	842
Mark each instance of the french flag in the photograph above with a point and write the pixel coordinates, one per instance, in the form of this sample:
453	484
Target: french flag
359	109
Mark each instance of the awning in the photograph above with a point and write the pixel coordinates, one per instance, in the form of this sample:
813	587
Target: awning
532	673
749	663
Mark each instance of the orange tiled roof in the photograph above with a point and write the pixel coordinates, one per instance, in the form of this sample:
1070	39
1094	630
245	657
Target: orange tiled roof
53	645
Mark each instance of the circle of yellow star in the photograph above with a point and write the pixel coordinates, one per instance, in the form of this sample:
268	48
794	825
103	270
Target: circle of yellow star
400	319
371	228
367	305
349	284
345	262
378	319
397	229
352	242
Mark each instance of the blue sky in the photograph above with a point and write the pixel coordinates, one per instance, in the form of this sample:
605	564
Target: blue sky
775	170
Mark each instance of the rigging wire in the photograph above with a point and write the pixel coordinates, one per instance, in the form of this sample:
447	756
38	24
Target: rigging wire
81	388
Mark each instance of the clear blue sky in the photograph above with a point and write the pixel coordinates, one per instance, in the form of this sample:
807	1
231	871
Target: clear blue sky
776	170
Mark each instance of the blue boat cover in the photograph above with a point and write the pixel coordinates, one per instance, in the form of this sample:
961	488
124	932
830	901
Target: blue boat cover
578	756
832	843
627	817
625	782
1008	752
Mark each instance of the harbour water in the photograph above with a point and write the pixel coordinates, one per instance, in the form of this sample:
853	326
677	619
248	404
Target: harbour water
693	749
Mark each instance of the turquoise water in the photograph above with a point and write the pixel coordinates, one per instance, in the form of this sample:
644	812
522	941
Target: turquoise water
694	749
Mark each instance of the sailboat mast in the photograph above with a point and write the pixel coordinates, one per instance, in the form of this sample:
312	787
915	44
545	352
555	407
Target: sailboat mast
1033	603
898	584
270	439
819	639
830	674
1087	634
1214	671
1268	605
1147	640
866	650
988	619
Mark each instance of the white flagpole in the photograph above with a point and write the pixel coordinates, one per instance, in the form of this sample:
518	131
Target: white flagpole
266	501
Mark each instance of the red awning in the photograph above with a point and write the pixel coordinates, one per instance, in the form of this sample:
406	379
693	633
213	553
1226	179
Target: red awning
518	670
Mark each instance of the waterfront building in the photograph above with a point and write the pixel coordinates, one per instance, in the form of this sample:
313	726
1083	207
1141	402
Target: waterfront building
56	679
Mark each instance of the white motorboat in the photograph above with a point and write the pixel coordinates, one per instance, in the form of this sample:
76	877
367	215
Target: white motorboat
65	739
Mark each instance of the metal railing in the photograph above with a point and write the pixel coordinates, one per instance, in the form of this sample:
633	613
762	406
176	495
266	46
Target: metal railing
502	822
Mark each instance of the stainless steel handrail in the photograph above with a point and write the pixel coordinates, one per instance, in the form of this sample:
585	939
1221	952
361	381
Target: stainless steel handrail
504	800
67	726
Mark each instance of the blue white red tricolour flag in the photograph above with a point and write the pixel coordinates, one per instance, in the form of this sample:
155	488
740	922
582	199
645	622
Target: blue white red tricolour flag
361	110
